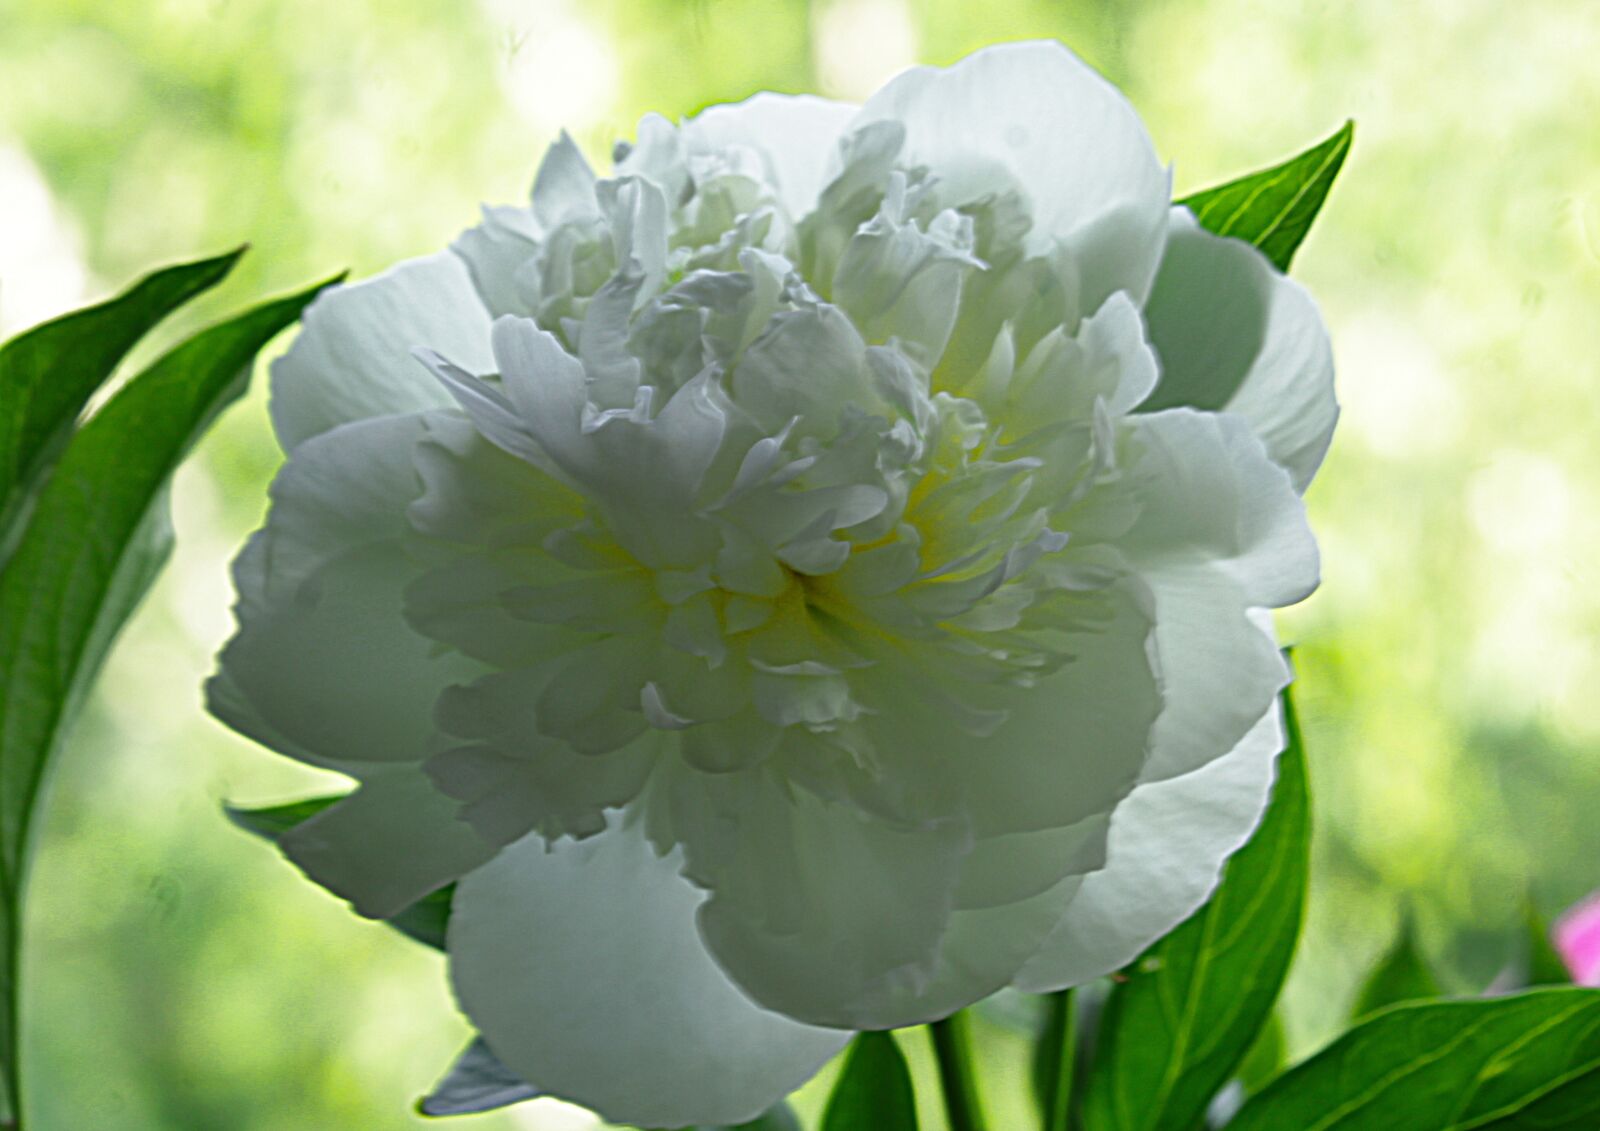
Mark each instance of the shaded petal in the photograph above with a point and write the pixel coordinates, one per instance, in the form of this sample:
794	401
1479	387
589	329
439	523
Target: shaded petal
580	959
499	254
388	844
1064	750
1221	668
1221	532
1235	334
796	136
1169	840
1034	876
1209	493
1035	116
324	659
815	904
353	358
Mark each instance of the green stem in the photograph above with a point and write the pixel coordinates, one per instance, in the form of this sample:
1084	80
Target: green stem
952	1048
1061	1051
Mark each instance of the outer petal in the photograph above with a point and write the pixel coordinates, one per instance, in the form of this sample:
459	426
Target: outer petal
1237	335
353	358
1221	533
816	905
324	658
985	944
796	136
1169	840
388	844
1069	139
581	966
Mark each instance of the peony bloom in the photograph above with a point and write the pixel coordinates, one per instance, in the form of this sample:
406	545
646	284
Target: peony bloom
806	581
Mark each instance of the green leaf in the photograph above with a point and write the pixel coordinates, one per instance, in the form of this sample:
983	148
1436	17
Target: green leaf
48	373
1192	1005
1401	975
272	821
476	1082
98	535
1531	1060
874	1090
1266	1057
425	921
1273	209
1544	965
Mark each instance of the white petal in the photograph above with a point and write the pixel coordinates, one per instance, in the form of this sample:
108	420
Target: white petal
1209	493
391	842
1221	533
1235	334
985	944
581	966
1067	749
796	136
1169	840
1220	663
353	358
817	906
324	656
563	189
496	253
1069	139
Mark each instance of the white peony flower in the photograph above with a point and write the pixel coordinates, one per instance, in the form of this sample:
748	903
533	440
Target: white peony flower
807	581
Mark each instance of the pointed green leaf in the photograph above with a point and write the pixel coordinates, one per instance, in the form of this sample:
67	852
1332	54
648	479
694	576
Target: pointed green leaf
272	821
874	1090
48	373
1526	1061
425	921
1192	1005
1544	966
1273	209
1401	975
96	539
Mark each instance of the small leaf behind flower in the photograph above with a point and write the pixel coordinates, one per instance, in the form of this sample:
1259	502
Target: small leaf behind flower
1401	975
1193	1004
874	1091
425	921
1273	209
476	1082
1526	1061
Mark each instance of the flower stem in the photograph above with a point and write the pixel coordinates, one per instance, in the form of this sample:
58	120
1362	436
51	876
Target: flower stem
1060	1052
952	1048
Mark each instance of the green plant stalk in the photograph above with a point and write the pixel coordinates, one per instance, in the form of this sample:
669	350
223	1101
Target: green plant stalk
10	974
1063	1035
952	1049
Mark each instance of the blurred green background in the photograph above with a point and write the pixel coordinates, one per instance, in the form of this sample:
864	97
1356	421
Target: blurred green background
182	977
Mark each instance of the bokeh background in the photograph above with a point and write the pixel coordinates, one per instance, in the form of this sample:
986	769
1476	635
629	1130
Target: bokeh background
181	976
